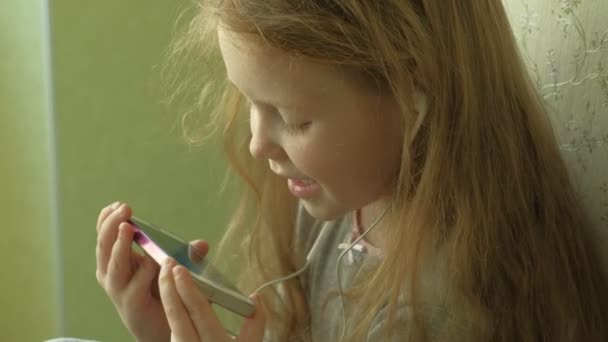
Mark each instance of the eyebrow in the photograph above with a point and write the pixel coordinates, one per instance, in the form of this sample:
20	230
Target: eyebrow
264	102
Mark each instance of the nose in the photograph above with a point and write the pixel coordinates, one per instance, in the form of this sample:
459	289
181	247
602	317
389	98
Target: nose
263	143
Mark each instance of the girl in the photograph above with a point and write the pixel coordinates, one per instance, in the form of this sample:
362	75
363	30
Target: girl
404	139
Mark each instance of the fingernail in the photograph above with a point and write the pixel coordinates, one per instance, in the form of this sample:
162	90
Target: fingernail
124	229
165	268
178	271
254	299
115	205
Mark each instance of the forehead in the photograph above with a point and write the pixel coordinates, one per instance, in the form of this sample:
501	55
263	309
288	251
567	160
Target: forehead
271	75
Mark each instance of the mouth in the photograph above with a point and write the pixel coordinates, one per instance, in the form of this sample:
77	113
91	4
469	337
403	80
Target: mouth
303	188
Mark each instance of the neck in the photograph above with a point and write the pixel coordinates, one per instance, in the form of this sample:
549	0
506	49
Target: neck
368	215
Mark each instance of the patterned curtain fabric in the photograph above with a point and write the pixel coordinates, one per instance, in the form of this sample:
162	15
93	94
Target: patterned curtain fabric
565	44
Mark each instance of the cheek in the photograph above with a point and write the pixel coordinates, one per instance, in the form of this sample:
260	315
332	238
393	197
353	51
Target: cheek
353	165
309	159
338	166
361	168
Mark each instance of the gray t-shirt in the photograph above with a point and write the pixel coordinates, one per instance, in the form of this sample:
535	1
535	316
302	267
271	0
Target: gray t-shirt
320	280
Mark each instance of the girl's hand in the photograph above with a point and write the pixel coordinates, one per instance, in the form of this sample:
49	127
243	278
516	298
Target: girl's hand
189	312
130	279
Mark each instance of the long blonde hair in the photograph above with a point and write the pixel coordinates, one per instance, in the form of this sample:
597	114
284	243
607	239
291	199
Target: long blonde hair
482	183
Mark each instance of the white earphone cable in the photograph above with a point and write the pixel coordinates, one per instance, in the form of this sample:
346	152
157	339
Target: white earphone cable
313	251
339	264
309	256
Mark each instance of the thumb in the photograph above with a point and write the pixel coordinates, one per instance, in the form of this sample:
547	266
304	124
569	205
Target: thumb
199	251
253	327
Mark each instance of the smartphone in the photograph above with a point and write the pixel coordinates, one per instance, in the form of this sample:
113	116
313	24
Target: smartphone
161	244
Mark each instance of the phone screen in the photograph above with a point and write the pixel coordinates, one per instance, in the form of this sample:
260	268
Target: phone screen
154	238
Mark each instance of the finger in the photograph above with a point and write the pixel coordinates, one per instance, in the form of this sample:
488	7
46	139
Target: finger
120	263
177	315
155	291
107	236
144	278
200	250
207	325
253	327
104	214
202	246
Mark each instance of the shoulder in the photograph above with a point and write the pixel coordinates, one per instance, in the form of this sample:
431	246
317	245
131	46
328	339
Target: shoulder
439	318
439	325
436	314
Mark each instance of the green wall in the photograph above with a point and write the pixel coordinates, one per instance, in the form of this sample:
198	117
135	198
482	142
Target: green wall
116	141
29	287
95	133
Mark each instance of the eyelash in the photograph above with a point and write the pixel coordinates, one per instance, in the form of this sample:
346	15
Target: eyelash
296	129
291	129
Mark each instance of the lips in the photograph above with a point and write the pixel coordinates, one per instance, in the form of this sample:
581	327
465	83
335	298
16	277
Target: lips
303	188
300	187
302	182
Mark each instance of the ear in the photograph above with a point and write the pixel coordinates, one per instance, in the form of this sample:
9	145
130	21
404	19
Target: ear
421	107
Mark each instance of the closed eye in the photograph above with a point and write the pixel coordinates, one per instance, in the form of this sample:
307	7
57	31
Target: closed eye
296	129
291	129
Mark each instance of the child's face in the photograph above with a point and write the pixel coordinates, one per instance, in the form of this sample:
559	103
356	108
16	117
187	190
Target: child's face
337	144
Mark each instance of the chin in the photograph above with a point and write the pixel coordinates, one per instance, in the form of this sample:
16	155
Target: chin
323	211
